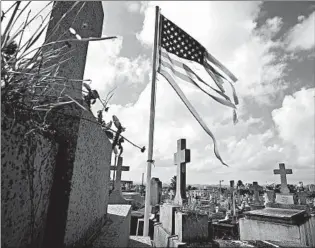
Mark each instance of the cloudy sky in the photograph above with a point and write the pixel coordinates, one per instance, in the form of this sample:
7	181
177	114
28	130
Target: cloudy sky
269	46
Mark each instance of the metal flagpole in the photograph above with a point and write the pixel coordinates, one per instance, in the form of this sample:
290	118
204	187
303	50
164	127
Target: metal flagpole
147	208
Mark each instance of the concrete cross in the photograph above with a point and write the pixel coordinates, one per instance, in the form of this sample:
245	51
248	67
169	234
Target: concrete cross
256	188
283	176
181	157
119	168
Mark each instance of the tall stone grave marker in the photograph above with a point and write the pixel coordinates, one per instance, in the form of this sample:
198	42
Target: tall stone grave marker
156	191
284	197
79	194
269	196
181	157
175	220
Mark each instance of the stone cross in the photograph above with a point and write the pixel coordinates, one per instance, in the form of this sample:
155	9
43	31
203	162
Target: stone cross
256	188
181	157
283	176
119	168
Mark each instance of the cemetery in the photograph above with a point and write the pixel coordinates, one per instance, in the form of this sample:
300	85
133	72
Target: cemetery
62	183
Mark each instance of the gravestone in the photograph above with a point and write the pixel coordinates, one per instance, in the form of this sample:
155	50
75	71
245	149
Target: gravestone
269	196
116	196
181	157
188	226
79	194
156	191
302	195
256	204
311	187
284	197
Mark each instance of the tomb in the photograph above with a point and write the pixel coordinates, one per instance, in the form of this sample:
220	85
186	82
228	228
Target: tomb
280	221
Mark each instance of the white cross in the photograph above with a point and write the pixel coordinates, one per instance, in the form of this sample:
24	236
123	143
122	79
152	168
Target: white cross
283	177
181	157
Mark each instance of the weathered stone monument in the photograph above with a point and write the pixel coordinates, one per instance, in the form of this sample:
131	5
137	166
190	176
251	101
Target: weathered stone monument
181	157
302	195
74	181
269	197
256	204
284	197
281	221
156	191
178	224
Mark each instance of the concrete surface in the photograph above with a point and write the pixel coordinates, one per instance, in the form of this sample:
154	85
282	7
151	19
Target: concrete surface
24	191
163	239
116	231
89	188
167	217
263	230
139	241
191	227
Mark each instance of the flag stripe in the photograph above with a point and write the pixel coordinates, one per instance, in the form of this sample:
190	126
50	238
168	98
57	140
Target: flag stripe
167	62
188	79
184	69
201	80
215	79
182	96
220	66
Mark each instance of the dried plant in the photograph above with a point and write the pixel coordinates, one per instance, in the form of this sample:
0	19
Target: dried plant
29	73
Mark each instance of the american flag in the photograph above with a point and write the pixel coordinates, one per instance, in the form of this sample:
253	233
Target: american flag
178	52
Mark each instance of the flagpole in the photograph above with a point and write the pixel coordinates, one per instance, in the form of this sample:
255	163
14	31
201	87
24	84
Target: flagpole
147	208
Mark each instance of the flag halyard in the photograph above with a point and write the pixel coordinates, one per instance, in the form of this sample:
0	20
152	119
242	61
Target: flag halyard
177	50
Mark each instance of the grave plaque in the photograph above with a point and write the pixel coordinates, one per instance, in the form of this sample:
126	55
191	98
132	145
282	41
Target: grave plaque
284	199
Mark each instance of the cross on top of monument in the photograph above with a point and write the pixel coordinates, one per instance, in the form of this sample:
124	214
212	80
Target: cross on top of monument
119	168
181	157
283	177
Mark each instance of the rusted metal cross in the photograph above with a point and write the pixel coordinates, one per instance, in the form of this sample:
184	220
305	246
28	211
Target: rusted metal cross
181	157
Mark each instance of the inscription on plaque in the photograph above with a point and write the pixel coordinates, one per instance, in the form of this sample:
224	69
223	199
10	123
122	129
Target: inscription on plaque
284	199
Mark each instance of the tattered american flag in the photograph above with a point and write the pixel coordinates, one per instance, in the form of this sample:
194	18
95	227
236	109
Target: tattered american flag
177	52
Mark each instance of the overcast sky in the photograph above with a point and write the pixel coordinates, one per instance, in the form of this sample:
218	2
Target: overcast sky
269	46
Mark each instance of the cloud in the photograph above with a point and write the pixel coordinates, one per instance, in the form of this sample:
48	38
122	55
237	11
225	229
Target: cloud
301	36
301	18
128	75
254	146
295	124
133	7
271	27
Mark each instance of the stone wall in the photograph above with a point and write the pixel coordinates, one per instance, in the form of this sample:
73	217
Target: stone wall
27	170
90	182
163	239
263	230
